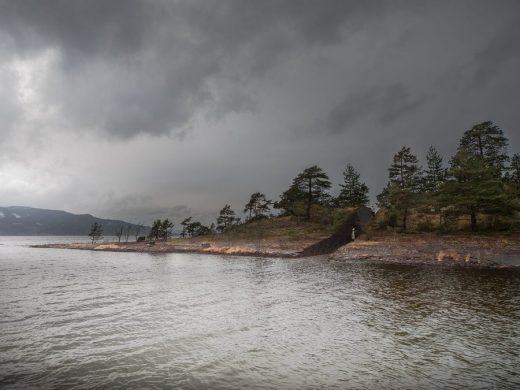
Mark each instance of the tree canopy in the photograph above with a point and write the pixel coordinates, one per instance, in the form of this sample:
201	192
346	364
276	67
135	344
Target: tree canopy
258	206
404	177
487	141
435	173
312	185
96	230
226	218
473	188
353	192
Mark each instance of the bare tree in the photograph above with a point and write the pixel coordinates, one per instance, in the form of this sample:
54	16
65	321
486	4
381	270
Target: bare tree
138	230
119	233
127	231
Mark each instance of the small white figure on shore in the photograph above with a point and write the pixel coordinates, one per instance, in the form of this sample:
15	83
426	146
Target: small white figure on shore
353	234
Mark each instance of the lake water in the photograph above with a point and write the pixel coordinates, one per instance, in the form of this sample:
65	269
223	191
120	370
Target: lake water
77	319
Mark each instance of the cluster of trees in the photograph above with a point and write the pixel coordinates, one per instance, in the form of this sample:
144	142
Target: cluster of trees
480	179
194	228
225	220
161	229
311	187
96	231
308	189
126	232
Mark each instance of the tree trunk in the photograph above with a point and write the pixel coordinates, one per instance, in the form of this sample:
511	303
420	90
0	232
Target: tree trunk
480	148
473	217
309	201
405	217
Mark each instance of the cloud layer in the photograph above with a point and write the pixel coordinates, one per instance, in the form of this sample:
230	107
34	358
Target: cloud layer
134	108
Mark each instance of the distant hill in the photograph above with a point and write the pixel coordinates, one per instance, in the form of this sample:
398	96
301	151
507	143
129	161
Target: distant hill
19	221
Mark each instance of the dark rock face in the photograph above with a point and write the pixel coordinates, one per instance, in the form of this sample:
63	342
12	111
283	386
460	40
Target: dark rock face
31	221
358	221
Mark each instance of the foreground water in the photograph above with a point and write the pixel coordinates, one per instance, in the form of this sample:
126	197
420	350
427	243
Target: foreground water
76	319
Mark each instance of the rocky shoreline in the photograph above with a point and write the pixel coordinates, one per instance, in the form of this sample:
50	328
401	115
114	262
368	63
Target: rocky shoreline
495	251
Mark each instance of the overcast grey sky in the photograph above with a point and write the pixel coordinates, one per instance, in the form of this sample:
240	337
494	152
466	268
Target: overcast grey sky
146	109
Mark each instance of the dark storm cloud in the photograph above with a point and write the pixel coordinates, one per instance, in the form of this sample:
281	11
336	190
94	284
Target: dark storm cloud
387	104
130	67
503	48
257	91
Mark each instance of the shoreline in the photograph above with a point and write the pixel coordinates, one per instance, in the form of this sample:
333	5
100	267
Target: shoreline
264	249
490	251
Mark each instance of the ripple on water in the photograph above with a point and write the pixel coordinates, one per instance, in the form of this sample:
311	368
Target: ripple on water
112	320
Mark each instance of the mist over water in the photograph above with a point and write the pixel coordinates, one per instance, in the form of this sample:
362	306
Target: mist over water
80	319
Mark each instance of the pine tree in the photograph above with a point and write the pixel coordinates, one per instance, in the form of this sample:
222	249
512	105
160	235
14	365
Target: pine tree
226	218
487	141
292	201
155	231
405	170
198	229
514	174
404	179
435	173
314	183
185	223
473	188
258	206
165	229
353	192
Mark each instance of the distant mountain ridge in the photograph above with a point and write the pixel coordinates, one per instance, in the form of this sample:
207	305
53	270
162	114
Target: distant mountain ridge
18	221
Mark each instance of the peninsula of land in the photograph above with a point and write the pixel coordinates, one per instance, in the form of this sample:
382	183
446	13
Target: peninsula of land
285	237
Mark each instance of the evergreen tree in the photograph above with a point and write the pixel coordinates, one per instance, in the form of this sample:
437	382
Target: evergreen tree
314	183
487	141
258	206
96	230
435	173
404	179
166	228
198	229
292	201
226	218
473	188
353	192
514	174
185	223
405	170
155	232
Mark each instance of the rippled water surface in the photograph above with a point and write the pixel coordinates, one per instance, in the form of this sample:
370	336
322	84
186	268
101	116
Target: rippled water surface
76	319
